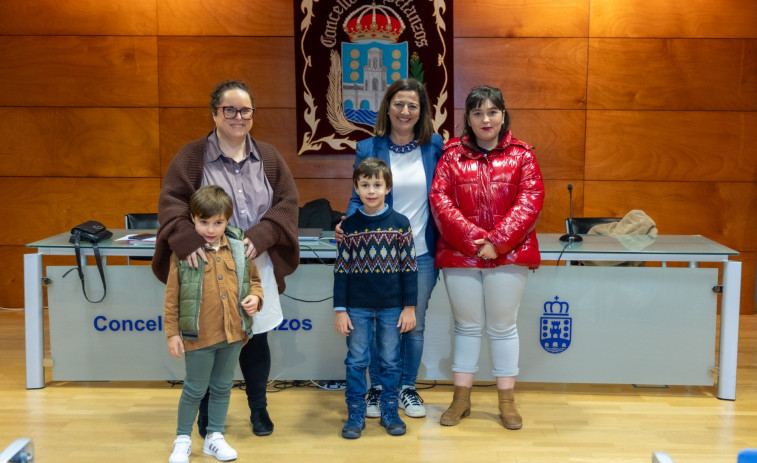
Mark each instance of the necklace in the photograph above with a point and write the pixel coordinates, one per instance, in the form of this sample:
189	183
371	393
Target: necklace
402	149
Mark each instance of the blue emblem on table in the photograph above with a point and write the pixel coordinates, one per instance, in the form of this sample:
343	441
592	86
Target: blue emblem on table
555	326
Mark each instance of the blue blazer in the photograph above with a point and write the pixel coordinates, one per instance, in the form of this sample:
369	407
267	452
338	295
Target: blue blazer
378	147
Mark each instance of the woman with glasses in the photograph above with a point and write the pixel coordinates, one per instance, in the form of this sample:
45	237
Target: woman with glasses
486	199
265	200
406	141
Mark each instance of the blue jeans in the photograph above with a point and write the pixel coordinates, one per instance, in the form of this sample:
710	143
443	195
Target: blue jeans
387	338
411	350
208	369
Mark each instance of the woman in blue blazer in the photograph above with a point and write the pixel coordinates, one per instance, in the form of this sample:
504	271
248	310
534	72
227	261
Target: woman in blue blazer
406	141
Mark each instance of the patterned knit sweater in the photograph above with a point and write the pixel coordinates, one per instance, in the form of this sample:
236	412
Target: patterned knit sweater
375	265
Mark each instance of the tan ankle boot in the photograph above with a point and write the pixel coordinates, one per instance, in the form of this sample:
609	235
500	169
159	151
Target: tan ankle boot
459	408
508	414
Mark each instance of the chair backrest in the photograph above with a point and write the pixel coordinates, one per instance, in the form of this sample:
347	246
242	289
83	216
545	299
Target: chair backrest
142	220
582	225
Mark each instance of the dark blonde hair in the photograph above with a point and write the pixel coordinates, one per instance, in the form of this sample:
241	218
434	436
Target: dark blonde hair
370	168
475	99
424	128
210	200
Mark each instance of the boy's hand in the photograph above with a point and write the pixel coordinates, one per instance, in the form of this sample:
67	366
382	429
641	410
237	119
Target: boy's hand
338	232
407	319
342	322
251	304
175	346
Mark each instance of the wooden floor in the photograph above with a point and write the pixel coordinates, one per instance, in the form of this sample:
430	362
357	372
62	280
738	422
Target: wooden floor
135	421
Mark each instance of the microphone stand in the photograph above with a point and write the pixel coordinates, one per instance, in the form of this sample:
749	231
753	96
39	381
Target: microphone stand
570	237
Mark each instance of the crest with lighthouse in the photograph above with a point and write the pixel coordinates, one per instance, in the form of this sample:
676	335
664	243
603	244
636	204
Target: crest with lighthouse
372	60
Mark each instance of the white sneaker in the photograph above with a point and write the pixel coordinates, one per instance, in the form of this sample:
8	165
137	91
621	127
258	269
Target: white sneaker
372	405
411	402
182	448
216	445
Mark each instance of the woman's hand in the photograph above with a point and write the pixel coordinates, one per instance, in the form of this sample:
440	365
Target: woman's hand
486	251
175	346
250	252
338	232
407	319
193	259
251	305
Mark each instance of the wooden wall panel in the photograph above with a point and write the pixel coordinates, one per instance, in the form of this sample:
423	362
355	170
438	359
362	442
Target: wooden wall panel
674	18
12	276
671	145
48	206
225	18
533	73
521	18
191	67
179	126
79	142
557	137
337	191
721	211
556	207
673	74
748	281
80	17
97	96
78	71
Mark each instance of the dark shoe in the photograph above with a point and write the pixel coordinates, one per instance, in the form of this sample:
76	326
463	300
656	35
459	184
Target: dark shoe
261	422
390	419
355	421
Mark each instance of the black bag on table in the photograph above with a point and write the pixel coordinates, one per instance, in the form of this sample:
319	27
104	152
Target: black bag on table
90	232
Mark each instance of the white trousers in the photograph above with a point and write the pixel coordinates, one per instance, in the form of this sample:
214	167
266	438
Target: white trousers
490	298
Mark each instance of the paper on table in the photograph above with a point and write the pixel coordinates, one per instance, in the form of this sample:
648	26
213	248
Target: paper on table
139	238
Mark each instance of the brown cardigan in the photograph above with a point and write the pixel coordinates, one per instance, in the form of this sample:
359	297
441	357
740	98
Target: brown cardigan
276	232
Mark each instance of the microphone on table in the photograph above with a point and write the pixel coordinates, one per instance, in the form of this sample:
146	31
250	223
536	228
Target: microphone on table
571	237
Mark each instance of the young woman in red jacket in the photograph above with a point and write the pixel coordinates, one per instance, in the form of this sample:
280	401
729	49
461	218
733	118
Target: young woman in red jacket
486	199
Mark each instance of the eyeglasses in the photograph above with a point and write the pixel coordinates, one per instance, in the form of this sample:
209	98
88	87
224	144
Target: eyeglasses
230	112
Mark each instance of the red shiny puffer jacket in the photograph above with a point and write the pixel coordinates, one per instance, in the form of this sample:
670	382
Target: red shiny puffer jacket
497	197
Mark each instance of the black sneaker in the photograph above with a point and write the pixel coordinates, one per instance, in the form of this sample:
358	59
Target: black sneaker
261	422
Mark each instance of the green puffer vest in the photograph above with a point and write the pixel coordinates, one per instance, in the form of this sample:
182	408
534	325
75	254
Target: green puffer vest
190	291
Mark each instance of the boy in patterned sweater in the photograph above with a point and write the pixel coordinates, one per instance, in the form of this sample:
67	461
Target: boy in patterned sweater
375	290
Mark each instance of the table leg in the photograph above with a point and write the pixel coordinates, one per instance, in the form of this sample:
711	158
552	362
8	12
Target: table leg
34	321
729	330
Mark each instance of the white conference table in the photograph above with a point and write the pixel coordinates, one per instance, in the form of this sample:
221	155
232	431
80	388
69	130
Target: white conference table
692	249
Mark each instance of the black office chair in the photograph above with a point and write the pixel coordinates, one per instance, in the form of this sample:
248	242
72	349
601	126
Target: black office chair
582	225
147	220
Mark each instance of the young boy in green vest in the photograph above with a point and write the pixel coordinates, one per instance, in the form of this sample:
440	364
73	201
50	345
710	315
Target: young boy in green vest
208	314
